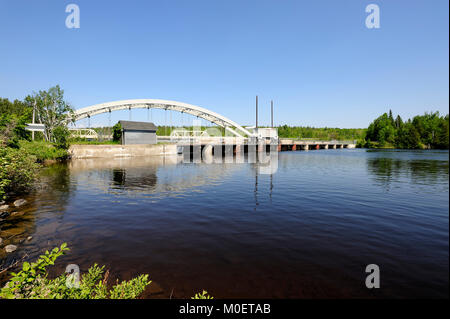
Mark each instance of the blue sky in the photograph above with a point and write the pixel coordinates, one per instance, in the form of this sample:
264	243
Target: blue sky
315	59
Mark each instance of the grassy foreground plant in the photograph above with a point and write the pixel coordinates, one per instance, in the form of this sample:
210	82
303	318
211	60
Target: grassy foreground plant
18	171
32	282
203	295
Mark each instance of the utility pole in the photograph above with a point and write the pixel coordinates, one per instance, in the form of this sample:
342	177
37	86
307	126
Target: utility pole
271	113
256	112
34	110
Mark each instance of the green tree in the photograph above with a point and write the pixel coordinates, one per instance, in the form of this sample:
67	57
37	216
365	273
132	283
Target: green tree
391	118
443	134
117	132
61	137
408	137
398	122
13	118
51	110
381	130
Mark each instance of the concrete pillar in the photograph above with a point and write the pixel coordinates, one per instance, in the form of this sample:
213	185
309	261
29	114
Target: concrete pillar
251	153
333	146
306	147
197	153
273	148
240	157
218	153
228	153
186	153
325	147
261	146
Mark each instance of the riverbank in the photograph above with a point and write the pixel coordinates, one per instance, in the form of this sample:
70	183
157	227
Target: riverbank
15	231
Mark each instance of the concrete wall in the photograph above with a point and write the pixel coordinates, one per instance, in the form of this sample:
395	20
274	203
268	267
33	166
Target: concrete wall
130	137
112	151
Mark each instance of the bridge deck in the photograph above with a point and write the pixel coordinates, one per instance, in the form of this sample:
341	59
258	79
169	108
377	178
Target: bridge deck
283	143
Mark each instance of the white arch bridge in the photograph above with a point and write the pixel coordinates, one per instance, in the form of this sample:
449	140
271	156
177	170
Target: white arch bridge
213	117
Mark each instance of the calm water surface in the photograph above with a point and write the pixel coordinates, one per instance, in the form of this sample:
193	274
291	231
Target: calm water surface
306	231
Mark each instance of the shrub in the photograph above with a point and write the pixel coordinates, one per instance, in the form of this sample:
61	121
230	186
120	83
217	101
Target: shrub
32	282
61	137
43	150
117	132
18	170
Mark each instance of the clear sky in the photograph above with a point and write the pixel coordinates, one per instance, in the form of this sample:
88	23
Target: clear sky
315	59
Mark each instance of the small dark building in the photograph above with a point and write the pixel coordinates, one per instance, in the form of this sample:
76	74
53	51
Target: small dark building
138	132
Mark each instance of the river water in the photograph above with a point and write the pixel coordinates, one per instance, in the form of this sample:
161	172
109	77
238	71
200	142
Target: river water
306	231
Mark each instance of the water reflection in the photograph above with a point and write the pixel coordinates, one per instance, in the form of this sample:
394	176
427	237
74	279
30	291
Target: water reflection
387	170
19	227
148	176
263	170
320	219
134	178
56	178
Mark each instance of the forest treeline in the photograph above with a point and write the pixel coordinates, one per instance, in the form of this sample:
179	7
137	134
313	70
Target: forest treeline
428	131
325	133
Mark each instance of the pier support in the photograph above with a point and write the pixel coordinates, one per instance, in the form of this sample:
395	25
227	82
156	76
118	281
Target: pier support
251	153
239	151
228	152
296	145
261	147
196	153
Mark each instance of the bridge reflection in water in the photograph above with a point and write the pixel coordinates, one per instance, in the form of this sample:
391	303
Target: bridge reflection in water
141	176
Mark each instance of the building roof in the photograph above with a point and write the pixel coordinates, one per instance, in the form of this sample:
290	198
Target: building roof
138	126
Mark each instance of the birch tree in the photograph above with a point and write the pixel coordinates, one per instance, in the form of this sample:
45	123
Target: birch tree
51	110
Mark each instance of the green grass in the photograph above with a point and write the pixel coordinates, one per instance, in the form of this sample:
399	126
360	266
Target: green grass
84	142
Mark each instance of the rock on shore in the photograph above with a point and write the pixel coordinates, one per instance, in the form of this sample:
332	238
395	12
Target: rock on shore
10	248
20	202
16	214
4	214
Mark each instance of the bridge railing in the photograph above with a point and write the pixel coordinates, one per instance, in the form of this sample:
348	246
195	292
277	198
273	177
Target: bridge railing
317	141
83	133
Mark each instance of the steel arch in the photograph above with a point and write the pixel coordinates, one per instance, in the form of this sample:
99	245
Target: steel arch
162	104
